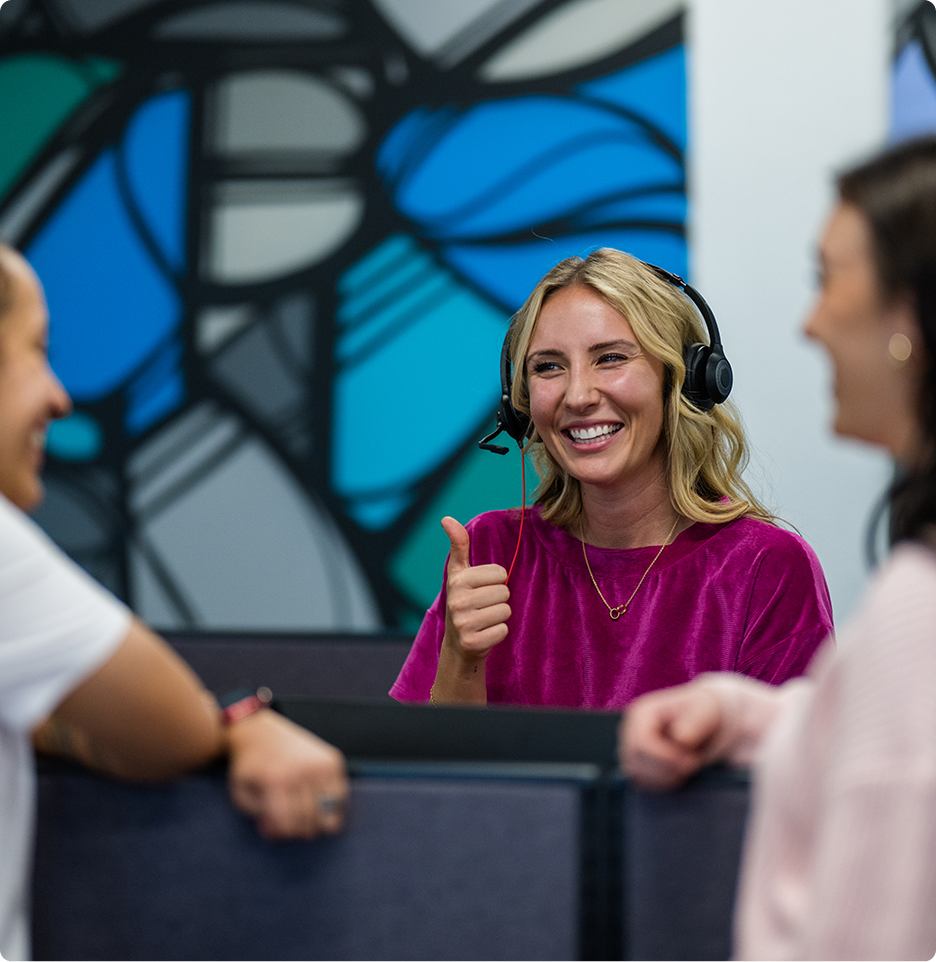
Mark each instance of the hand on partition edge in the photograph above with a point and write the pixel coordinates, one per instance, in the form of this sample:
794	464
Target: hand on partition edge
144	716
666	736
291	782
476	614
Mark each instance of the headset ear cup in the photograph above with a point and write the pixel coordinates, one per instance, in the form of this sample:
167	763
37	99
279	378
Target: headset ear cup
514	422
718	375
695	388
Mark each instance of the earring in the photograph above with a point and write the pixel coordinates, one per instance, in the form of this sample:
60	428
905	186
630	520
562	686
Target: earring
900	348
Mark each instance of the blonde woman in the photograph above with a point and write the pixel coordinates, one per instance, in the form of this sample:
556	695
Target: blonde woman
645	559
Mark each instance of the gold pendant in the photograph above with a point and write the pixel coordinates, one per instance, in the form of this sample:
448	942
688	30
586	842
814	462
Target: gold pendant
617	612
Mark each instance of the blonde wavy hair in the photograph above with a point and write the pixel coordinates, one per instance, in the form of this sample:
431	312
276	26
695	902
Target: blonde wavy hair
706	450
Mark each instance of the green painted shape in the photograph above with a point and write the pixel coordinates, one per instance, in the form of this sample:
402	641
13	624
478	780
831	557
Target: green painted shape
38	92
483	482
101	70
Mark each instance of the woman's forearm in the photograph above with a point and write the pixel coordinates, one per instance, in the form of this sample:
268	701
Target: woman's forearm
459	680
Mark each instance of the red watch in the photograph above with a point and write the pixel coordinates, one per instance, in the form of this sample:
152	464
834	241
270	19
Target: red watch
240	706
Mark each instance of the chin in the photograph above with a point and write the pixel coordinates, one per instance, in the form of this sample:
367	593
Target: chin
27	497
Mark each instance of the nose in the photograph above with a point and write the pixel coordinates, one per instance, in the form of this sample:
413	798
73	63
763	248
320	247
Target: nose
582	390
811	322
60	404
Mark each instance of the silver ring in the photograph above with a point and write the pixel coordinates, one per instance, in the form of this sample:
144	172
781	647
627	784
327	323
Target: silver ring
328	804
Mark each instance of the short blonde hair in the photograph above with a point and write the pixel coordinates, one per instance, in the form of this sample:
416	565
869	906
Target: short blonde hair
706	450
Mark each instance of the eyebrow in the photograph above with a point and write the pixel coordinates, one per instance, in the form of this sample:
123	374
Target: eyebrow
594	349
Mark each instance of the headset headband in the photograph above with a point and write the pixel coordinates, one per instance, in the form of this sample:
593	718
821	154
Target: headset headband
708	378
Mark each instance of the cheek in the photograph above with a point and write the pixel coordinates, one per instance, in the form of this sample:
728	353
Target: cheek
542	403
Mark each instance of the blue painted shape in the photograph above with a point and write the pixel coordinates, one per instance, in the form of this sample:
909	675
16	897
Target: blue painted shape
430	338
510	272
109	305
380	513
667	207
411	139
507	165
913	95
155	154
157	391
654	89
78	437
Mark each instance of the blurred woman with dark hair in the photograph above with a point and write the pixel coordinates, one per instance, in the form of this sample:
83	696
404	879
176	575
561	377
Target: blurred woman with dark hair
840	860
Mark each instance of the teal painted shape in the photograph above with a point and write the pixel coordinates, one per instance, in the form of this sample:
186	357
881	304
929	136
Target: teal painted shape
78	437
417	360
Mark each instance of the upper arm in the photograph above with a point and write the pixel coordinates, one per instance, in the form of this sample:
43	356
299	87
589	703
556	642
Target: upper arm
419	670
789	612
143	714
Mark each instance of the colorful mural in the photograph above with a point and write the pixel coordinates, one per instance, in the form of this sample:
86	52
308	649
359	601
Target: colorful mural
913	88
281	242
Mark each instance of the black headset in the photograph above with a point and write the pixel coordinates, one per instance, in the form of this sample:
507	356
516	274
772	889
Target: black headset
708	373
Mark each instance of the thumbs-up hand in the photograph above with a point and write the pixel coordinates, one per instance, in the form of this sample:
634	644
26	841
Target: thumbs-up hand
476	610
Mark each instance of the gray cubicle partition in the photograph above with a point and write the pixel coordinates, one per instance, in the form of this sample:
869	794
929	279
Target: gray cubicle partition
438	862
500	856
336	666
679	864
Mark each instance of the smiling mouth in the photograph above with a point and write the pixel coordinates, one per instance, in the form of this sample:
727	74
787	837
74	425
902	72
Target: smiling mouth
593	434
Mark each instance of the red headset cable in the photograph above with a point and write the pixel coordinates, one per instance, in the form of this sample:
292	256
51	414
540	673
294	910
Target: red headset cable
522	513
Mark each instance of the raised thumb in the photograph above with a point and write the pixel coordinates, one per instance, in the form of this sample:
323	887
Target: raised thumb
460	556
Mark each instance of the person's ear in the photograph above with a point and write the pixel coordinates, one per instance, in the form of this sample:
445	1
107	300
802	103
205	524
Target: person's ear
905	344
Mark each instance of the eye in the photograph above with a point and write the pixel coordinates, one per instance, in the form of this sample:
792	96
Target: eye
613	358
543	367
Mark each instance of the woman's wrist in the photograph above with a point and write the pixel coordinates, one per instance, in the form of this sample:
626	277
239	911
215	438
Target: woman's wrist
459	680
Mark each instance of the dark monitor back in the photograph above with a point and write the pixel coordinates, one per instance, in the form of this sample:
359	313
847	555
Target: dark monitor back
448	733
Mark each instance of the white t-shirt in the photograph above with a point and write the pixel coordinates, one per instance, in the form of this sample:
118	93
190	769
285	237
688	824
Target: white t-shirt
57	626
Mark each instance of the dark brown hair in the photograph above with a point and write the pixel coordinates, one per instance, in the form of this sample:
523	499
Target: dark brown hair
896	193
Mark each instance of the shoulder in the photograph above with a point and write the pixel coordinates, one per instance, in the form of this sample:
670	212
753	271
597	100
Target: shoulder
885	666
21	539
57	623
496	532
33	567
771	560
905	582
898	611
762	540
492	533
496	521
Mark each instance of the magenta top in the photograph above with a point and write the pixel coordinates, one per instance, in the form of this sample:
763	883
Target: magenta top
744	596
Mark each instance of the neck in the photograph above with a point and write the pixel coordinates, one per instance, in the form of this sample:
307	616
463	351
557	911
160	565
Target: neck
611	521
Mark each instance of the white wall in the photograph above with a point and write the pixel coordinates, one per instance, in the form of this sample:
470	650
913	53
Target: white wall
781	96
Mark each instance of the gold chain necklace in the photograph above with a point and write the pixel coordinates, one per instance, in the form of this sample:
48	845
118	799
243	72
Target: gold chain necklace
619	610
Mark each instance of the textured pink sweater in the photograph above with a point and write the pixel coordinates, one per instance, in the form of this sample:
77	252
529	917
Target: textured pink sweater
743	596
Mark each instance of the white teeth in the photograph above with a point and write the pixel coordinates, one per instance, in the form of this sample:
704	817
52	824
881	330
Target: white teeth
586	435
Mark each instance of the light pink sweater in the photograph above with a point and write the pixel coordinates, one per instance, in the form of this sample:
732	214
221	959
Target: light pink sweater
840	857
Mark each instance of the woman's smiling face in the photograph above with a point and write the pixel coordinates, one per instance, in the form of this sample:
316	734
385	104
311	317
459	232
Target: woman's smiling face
876	393
30	394
595	397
